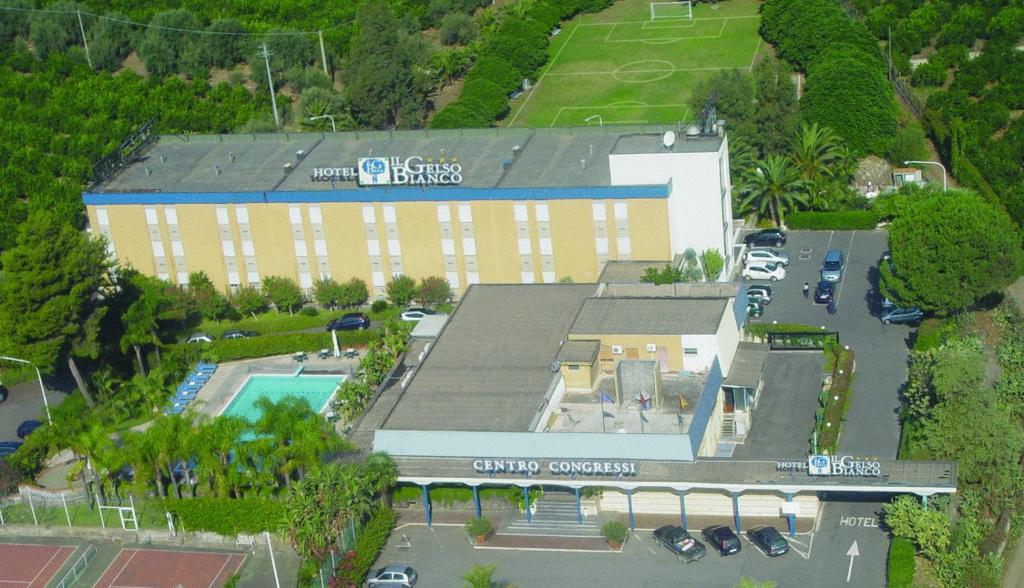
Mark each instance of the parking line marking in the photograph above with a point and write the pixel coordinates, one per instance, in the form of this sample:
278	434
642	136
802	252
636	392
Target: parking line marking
848	256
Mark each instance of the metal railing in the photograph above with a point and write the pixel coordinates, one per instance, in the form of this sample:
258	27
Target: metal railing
78	567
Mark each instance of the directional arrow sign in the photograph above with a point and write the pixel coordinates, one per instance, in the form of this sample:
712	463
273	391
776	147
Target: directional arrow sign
852	552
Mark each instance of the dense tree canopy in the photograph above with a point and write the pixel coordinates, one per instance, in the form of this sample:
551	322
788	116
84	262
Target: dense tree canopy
949	250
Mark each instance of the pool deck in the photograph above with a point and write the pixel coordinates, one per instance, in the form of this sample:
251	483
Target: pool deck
229	377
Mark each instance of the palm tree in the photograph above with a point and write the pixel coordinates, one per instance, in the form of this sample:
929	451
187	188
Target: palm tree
140	451
774	188
448	64
383	474
95	445
213	444
815	150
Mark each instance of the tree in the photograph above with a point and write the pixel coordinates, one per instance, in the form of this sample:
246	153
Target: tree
449	64
434	291
163	46
152	308
909	144
50	295
382	473
109	42
249	301
353	293
734	100
712	263
222	45
54	32
775	116
479	576
15	23
401	289
666	275
326	292
774	188
322	102
815	150
283	293
457	28
949	250
928	529
210	303
213	444
385	87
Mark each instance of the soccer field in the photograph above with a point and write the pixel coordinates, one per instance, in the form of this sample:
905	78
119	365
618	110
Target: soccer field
620	67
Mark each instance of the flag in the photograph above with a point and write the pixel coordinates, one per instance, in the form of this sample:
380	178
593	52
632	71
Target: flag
644	402
607	415
606	398
643	418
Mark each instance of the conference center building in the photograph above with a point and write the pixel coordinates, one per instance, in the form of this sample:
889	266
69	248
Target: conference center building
472	205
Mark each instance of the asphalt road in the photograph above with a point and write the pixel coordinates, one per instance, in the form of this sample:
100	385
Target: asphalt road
24	403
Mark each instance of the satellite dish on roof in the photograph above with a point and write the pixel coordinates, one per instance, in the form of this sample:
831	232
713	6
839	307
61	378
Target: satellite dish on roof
693	131
669	139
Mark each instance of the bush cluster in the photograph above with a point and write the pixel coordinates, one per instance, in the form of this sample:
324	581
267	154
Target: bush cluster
840	220
847	88
228	517
512	52
224	350
355	564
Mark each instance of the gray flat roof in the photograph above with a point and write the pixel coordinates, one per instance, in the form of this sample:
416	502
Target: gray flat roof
747	365
548	157
634	144
579	351
649	316
627	272
490	368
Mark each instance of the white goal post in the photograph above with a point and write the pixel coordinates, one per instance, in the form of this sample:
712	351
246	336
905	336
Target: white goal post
671	10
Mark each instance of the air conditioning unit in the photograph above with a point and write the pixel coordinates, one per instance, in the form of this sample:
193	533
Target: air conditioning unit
616	349
652	348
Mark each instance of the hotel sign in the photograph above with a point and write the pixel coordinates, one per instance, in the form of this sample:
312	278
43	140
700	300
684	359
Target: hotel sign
394	171
555	467
825	465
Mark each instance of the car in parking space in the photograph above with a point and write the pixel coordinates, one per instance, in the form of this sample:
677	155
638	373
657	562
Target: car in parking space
768	540
759	293
680	543
764	271
415	313
200	338
351	321
4	392
26	427
393	575
901	316
833	265
8	447
238	334
722	540
766	255
823	291
766	238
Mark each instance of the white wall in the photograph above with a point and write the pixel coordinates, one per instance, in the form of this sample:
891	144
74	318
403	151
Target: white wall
728	337
695	205
707	503
707	348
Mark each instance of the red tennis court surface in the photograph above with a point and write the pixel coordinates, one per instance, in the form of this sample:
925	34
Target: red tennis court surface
31	566
155	568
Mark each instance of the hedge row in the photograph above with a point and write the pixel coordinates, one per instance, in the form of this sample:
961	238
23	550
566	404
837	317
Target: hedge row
761	330
228	517
452	495
355	564
841	220
900	565
223	350
847	85
515	50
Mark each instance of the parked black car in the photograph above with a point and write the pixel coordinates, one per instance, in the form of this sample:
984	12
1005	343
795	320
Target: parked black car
679	542
350	322
26	427
8	447
238	334
4	392
722	539
769	541
823	291
766	238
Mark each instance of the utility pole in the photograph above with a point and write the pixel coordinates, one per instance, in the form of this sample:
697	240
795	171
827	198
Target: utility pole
270	82
85	43
323	53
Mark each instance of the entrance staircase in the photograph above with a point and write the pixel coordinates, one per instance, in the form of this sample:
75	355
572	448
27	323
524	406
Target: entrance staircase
555	516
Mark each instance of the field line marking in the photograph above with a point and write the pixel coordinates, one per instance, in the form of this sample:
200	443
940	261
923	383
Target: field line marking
640	22
557	114
536	86
592	106
45	565
609	73
610	31
222	566
757	48
113	580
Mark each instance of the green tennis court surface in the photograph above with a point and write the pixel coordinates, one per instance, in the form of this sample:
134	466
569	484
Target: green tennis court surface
620	67
315	390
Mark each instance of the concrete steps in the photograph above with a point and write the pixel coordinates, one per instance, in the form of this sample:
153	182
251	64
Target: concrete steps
553	517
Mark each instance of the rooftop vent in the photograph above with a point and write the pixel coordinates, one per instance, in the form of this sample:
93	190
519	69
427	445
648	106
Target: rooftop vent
216	169
231	156
692	131
583	164
506	164
300	154
515	150
149	171
163	158
287	168
591	148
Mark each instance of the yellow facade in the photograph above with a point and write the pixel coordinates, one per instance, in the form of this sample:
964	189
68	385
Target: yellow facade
493	229
669	349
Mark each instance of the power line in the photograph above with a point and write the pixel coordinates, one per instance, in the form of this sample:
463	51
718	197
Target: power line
163	28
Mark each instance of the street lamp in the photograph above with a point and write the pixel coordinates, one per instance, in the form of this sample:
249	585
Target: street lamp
42	388
323	116
600	121
931	163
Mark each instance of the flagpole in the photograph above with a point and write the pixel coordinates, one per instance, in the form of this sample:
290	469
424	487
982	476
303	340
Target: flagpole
603	427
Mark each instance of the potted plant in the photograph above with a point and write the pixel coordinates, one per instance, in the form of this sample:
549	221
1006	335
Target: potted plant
614	533
479	529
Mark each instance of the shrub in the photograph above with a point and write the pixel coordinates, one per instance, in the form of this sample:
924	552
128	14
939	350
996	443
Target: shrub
932	73
614	532
9	479
497	71
763	329
492	99
379	306
457	28
370	542
309	311
401	289
228	516
223	350
479	527
929	335
842	220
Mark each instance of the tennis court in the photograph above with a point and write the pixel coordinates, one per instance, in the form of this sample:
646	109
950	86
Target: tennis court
31	566
157	568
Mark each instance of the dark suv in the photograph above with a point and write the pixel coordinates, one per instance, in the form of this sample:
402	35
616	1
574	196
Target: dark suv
350	322
766	238
768	540
679	542
722	539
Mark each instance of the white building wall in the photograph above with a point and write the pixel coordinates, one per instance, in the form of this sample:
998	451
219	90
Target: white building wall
728	337
699	205
707	349
706	503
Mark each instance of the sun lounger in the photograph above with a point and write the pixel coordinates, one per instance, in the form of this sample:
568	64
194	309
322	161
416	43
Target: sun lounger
174	409
207	366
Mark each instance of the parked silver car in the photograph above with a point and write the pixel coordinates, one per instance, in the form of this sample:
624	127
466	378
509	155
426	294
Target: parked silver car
392	576
766	255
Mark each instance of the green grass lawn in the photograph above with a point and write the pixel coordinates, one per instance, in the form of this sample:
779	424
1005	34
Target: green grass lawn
627	69
150	515
275	322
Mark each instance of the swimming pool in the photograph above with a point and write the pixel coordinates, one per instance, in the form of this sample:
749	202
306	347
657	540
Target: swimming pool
316	390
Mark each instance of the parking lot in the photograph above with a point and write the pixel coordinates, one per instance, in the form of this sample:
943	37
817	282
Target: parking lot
24	403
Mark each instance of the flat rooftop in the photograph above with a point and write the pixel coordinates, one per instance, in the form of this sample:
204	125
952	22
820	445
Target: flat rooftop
490	158
490	368
649	316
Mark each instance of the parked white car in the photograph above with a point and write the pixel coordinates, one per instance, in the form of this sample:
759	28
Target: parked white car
764	271
766	256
